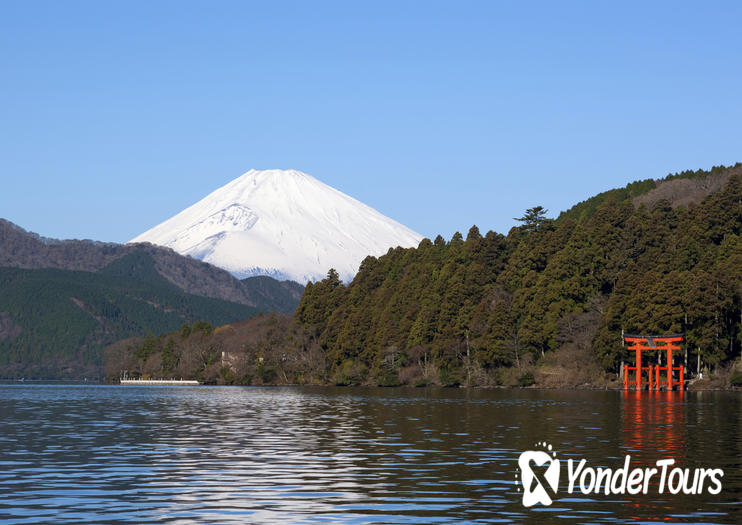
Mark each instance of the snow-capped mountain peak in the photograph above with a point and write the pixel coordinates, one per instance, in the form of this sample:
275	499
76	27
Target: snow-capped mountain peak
283	223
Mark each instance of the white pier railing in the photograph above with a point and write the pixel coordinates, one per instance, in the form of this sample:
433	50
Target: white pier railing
181	382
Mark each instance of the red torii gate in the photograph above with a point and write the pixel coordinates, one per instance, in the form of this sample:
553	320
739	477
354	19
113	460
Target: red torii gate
639	343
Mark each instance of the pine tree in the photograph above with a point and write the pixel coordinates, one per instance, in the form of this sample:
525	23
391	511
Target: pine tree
533	219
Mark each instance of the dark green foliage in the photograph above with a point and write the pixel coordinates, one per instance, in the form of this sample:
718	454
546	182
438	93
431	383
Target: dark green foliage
67	317
449	377
139	266
267	375
699	174
349	373
471	307
273	295
148	347
526	379
533	219
203	327
170	359
736	379
388	374
586	209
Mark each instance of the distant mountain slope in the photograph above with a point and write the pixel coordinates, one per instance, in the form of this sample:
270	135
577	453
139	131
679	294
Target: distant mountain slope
22	249
55	323
282	223
283	295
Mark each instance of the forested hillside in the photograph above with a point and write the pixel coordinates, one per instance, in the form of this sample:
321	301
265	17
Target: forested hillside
62	302
486	308
267	349
55	323
22	249
546	304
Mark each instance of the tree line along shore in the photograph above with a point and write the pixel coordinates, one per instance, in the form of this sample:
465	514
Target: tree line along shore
544	305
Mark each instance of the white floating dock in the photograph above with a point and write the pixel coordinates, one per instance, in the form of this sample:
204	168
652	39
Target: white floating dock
179	382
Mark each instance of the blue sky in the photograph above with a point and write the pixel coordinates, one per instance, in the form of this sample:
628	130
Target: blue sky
117	115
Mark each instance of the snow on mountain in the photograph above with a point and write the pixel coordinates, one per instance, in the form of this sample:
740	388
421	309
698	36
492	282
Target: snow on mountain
282	223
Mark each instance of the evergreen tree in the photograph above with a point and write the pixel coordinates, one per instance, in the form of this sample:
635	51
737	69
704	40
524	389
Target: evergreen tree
533	219
495	299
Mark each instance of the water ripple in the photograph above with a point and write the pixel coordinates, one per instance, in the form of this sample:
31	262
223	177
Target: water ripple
92	454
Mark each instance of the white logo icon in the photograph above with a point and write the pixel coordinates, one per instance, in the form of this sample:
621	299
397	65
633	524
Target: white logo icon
540	476
540	469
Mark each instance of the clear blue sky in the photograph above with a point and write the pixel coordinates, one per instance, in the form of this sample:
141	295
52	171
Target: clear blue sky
116	115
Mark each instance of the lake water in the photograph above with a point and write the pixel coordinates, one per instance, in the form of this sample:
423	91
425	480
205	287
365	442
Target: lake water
96	454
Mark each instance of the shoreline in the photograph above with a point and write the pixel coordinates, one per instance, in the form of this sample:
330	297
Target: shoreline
707	386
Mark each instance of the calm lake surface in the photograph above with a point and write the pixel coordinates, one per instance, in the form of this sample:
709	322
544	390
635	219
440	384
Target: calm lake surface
95	454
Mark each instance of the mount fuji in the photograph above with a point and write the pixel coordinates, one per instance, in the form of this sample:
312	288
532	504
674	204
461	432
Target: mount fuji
281	223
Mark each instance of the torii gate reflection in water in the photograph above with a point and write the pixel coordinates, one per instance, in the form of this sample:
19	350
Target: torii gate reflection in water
641	343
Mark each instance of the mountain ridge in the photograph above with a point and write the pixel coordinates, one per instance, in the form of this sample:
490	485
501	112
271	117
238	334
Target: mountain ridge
284	223
23	249
55	323
545	304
